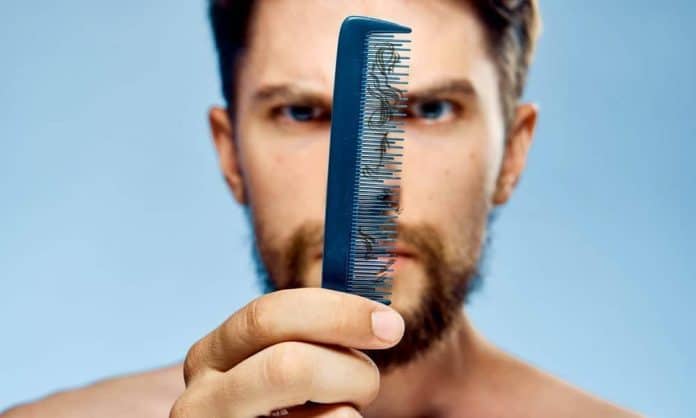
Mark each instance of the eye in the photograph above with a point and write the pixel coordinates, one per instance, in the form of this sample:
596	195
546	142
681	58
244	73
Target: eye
433	110
302	113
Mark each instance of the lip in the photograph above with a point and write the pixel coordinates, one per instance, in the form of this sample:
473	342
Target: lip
401	250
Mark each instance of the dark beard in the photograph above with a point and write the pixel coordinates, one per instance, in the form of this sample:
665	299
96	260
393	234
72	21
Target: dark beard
448	287
449	284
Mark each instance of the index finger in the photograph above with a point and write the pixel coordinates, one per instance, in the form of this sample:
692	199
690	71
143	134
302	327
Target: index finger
308	314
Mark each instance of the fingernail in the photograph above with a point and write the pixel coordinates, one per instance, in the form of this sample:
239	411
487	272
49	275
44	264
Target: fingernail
387	325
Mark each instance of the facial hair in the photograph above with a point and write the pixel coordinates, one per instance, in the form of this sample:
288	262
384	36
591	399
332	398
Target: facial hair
449	282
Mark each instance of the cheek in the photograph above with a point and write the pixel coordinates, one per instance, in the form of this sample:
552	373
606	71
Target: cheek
286	181
446	184
445	177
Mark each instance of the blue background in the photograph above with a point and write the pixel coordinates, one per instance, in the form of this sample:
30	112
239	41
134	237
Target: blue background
120	245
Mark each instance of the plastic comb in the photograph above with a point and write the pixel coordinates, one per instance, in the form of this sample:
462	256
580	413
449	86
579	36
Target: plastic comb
364	157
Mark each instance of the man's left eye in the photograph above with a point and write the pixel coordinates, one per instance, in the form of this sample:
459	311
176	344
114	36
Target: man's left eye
303	113
433	110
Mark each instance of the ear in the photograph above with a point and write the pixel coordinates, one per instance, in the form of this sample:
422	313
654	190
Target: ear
519	140
223	136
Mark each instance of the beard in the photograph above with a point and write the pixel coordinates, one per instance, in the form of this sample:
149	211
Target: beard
449	281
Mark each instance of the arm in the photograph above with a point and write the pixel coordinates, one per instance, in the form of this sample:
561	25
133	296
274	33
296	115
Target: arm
143	395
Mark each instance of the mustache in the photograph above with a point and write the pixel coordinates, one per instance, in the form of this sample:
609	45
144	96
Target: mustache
422	241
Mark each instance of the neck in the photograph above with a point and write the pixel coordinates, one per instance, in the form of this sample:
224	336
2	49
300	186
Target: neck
464	375
419	389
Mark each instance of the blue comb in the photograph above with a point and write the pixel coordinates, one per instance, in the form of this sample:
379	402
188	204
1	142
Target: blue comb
364	157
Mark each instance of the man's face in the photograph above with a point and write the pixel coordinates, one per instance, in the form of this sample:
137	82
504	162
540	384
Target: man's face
276	154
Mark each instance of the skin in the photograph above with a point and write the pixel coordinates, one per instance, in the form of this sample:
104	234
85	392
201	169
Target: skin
460	165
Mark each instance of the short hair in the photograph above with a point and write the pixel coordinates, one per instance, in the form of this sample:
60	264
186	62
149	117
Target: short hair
511	26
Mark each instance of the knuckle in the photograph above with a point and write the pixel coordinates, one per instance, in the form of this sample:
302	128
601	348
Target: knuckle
343	321
193	361
288	366
256	318
180	409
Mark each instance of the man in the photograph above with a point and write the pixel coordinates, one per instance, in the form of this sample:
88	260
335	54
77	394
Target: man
302	351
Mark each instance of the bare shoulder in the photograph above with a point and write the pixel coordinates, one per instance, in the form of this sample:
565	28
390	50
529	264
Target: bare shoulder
148	394
569	401
539	394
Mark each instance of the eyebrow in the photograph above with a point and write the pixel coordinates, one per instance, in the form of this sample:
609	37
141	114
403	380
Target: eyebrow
461	86
290	93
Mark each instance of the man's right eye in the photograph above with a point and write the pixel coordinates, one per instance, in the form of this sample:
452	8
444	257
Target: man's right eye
302	113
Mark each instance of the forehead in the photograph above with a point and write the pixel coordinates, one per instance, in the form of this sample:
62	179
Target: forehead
294	42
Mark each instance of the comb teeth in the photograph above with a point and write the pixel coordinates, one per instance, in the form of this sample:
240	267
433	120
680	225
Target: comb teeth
374	228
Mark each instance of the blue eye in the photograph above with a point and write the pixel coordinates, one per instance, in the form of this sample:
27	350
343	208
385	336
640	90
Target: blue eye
303	114
433	110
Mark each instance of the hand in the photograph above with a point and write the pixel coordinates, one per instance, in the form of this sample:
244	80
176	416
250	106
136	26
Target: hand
295	349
